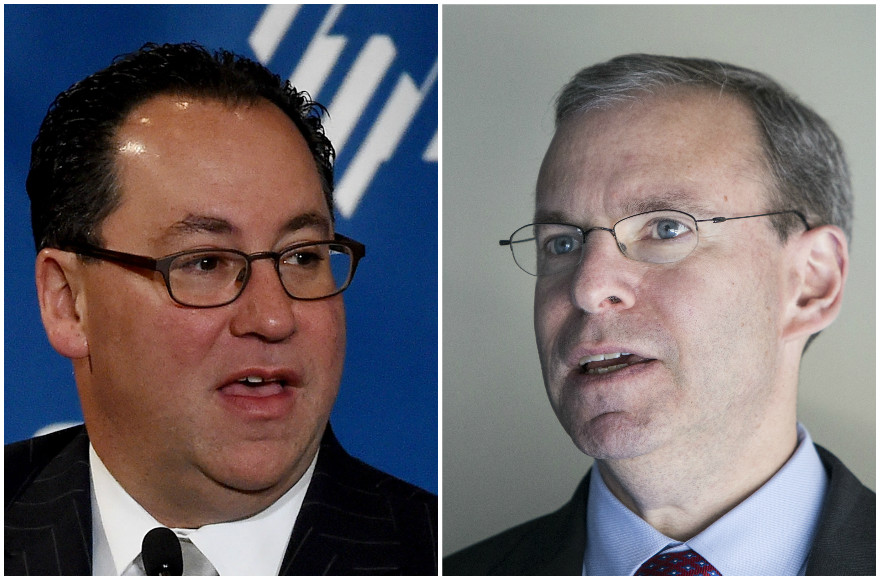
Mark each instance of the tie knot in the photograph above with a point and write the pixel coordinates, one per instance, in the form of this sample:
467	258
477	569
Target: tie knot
681	563
194	561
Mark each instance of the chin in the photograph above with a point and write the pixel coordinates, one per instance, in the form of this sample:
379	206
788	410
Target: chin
259	470
258	479
612	436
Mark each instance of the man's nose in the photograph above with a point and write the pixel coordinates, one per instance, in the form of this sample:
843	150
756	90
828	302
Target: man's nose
264	309
602	280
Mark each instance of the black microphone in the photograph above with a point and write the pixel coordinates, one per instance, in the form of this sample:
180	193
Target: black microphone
161	554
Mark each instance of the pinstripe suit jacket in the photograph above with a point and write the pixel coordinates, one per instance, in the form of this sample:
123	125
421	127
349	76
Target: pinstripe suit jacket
355	520
554	544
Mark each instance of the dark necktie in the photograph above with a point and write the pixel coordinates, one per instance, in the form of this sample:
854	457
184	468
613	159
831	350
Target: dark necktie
682	563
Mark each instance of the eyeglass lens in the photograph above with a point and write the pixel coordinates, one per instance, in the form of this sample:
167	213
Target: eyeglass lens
653	237
215	277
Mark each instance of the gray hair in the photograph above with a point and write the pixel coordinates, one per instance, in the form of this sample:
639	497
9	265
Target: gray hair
803	155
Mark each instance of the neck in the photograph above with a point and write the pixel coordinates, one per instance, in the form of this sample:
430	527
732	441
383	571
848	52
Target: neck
683	491
182	496
179	503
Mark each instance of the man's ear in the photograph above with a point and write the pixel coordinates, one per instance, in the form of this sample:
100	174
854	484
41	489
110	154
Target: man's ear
819	274
58	292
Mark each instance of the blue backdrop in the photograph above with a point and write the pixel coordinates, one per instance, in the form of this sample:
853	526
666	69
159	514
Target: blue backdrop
375	68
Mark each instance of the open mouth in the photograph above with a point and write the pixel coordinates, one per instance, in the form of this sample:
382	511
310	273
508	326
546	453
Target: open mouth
255	387
606	363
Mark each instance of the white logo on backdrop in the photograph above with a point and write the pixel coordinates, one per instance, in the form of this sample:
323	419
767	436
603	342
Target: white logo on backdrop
352	97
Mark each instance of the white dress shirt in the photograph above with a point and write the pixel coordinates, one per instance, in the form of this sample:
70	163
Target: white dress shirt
769	533
252	546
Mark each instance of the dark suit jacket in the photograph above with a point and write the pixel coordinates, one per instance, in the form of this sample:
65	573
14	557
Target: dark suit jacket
355	520
554	544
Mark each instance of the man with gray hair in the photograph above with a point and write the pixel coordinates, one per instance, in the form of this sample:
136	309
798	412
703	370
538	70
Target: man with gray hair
690	239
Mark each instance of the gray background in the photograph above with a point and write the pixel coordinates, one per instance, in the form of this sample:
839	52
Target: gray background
505	457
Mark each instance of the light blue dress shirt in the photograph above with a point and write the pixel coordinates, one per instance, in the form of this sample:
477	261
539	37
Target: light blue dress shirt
769	533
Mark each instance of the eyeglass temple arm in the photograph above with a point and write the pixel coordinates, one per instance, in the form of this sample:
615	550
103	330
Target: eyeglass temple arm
723	219
115	256
358	249
509	242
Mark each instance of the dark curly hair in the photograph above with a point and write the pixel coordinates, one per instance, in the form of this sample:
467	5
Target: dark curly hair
72	181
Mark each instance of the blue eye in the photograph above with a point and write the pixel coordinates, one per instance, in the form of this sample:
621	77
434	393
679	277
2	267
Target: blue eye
562	244
669	228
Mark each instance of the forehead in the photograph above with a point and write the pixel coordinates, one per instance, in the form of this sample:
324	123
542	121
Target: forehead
681	149
180	157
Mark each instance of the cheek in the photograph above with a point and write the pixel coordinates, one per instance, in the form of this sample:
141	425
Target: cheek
321	333
320	345
157	352
723	317
553	311
139	333
689	302
335	339
551	305
186	337
139	314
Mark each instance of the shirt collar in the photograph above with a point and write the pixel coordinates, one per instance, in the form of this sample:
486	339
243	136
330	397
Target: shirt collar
252	546
775	526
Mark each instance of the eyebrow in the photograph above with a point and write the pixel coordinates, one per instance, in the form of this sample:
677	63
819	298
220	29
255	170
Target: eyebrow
676	199
306	220
200	224
195	224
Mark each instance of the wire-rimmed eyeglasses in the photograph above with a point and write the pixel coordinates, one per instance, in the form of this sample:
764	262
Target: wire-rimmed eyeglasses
209	278
664	236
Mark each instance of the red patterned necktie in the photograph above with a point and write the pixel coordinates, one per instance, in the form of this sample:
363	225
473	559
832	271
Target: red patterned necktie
682	563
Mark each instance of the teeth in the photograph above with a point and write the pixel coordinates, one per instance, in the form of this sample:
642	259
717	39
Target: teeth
252	380
599	357
606	369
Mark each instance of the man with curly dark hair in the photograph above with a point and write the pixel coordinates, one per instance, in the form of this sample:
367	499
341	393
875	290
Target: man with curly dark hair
188	265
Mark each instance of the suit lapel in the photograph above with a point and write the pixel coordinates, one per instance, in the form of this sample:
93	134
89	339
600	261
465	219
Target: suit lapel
845	542
557	546
344	527
48	520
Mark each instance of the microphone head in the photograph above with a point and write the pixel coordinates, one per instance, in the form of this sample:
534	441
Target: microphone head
161	553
